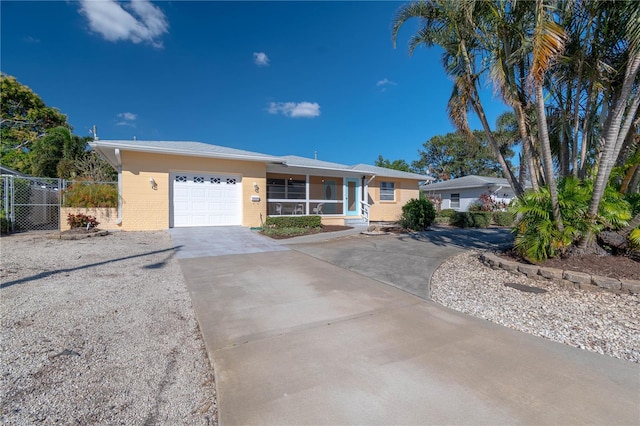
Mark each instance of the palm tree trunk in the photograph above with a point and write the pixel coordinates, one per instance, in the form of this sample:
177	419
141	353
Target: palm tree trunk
613	131
633	224
526	148
547	161
585	138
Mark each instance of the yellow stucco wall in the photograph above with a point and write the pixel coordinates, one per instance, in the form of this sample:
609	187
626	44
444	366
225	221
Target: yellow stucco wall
389	211
144	208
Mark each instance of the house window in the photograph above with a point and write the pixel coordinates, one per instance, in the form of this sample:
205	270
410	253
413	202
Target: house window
455	201
286	189
387	191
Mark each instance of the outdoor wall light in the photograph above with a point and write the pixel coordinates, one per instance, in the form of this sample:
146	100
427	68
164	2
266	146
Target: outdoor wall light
153	183
256	187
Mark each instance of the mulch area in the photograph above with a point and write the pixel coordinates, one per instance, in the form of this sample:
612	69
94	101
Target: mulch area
604	266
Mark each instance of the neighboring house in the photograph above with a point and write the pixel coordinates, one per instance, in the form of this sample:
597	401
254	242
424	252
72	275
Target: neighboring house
174	184
4	170
459	193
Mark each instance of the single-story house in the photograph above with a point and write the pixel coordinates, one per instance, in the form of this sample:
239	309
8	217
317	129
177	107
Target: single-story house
165	184
458	194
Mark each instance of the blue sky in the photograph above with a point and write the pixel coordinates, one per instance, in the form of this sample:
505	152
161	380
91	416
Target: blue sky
274	77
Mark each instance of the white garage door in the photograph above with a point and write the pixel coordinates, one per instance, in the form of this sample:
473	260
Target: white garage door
206	199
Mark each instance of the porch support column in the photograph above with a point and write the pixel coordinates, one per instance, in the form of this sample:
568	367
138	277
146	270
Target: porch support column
306	194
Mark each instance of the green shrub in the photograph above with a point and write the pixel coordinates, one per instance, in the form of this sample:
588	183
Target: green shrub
88	194
447	213
471	219
444	220
503	218
537	237
5	223
417	214
81	221
293	222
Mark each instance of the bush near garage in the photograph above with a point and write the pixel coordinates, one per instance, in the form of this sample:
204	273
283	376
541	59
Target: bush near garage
89	194
81	221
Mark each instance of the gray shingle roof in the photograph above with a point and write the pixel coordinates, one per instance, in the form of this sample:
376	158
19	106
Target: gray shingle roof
184	148
106	148
471	181
382	171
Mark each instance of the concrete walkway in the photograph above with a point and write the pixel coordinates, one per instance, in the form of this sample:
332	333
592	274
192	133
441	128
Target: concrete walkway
295	339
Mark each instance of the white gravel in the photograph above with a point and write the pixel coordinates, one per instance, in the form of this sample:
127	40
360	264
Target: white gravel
100	331
597	321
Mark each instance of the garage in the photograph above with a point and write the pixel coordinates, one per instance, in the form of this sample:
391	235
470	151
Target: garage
200	199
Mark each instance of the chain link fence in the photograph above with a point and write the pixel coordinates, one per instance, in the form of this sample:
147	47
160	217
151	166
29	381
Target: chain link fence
33	203
30	203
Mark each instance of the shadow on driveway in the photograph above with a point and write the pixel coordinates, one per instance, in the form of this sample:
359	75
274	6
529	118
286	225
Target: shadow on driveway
468	238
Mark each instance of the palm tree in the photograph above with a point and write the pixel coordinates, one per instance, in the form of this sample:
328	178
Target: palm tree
548	42
450	25
623	100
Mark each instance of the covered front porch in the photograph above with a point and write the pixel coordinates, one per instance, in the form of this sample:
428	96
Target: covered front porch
334	198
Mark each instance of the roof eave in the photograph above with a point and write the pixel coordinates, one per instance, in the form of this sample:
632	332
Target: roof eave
173	151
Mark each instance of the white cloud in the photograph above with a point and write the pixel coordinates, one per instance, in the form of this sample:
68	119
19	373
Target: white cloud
30	39
261	59
136	21
127	119
386	82
295	109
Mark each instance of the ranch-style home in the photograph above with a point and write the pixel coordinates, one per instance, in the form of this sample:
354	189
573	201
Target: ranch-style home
458	194
165	184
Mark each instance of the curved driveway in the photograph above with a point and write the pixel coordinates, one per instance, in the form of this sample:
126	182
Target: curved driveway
405	261
296	339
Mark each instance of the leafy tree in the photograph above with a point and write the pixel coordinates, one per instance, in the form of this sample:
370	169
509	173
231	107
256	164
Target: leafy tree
401	165
453	155
37	139
24	118
570	71
451	25
92	167
53	154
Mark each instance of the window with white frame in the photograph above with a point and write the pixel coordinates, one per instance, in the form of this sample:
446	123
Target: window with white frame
455	201
387	191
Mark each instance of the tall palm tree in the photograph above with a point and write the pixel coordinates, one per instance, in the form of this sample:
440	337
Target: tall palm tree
450	25
548	42
623	102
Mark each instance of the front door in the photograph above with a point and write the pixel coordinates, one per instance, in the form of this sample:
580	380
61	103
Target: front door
329	189
352	196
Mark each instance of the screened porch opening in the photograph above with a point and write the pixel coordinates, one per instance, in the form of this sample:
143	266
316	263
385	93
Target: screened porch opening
304	195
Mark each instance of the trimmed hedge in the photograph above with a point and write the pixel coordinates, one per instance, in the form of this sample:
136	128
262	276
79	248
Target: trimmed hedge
503	218
472	219
447	213
293	222
444	220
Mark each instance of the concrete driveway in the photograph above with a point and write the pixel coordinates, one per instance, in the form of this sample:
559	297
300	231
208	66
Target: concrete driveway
296	339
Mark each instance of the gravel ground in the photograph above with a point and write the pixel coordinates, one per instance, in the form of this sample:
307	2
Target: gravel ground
597	321
100	331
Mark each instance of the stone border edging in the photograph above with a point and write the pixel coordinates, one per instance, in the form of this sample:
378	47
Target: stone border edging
62	236
569	279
